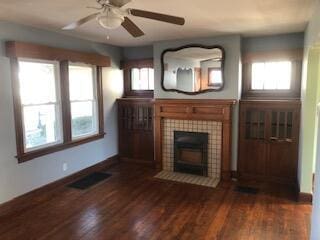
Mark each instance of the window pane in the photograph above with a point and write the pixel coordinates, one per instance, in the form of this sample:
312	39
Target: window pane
151	79
135	79
271	75
37	82
41	126
258	76
81	82
84	121
142	79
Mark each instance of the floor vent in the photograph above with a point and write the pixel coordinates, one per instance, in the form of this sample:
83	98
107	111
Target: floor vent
90	180
248	190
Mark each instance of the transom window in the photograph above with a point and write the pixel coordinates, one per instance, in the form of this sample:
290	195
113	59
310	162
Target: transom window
271	75
83	100
142	79
40	103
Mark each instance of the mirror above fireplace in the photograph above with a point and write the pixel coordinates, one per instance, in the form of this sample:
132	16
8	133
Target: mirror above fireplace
193	69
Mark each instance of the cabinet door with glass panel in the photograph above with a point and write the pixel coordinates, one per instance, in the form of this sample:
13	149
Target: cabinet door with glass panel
252	145
268	140
283	143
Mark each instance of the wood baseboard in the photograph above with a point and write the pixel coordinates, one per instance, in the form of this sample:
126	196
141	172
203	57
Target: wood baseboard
35	196
305	197
137	161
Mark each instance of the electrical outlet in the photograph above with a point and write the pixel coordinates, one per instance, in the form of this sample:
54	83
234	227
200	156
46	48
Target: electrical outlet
64	167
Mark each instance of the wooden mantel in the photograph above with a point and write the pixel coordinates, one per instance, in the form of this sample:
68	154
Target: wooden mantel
204	109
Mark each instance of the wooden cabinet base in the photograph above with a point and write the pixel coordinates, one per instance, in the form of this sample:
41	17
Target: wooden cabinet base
269	140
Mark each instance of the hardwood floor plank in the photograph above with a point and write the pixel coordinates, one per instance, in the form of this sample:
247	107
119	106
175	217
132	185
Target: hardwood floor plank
133	205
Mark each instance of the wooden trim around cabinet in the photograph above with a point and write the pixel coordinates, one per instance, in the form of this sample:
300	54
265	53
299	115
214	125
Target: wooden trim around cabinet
209	110
30	50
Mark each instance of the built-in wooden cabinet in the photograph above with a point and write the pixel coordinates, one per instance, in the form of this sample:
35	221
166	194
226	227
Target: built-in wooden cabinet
135	126
268	140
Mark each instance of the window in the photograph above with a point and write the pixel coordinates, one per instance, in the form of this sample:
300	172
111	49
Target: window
83	100
271	75
215	76
40	103
138	78
58	98
142	79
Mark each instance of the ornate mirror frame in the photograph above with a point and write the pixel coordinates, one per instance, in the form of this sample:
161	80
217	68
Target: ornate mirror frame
192	46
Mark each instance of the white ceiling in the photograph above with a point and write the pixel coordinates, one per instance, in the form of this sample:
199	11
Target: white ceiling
203	18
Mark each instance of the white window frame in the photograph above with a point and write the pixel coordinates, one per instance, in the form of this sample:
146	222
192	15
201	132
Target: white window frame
58	107
94	102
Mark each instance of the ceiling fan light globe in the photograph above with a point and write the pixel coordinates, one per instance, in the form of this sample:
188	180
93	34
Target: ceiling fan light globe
111	21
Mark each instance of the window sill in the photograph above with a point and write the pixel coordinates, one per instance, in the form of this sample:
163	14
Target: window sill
56	148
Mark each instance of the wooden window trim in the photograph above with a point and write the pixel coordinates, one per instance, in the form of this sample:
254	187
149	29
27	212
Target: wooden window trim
35	51
127	66
294	56
23	156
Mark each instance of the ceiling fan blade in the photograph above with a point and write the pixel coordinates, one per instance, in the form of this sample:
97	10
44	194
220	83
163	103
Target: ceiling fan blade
119	3
157	16
132	28
80	22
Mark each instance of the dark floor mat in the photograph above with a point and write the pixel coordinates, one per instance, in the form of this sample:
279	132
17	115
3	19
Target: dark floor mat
249	190
89	180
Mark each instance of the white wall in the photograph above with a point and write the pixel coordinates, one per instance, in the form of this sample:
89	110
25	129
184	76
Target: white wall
17	179
232	89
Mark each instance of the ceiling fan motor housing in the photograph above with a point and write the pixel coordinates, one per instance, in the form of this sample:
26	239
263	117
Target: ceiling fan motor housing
110	19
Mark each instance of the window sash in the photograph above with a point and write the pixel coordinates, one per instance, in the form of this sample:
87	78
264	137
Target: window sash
57	106
95	120
58	129
94	101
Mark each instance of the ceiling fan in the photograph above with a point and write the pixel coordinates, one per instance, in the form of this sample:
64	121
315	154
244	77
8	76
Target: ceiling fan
111	16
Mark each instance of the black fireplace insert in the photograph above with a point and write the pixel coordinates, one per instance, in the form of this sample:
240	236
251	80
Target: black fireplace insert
191	152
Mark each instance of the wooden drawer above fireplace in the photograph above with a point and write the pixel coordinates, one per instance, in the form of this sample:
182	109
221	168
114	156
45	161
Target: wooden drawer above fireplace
215	110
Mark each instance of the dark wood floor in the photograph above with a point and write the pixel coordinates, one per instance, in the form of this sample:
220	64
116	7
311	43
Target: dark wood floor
133	205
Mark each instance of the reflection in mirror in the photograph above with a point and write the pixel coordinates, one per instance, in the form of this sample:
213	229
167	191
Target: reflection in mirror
193	69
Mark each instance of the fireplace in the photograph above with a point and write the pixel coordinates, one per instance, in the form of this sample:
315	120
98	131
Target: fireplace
210	116
191	152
